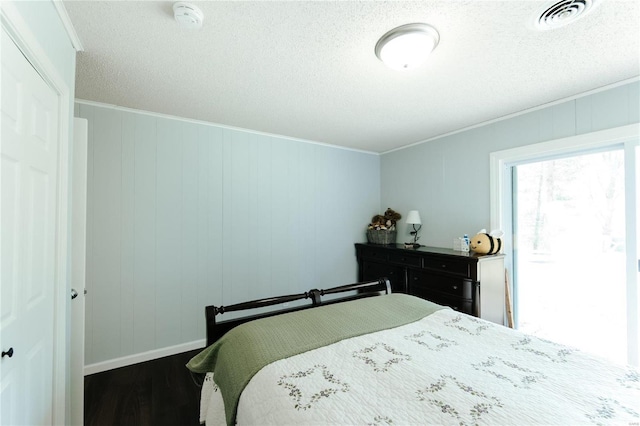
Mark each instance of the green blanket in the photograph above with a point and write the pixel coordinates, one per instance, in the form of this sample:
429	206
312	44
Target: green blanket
238	355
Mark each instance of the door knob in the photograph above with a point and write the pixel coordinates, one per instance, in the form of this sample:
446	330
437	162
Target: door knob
74	293
8	353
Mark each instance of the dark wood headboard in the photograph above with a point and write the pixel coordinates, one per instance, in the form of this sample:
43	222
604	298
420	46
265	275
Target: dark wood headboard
215	330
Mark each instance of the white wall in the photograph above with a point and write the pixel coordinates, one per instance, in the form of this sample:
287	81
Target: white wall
447	179
182	215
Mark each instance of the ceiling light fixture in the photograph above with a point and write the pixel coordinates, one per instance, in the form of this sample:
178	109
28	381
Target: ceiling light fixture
188	15
407	46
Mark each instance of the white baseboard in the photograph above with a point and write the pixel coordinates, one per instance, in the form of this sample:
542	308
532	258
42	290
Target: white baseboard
142	357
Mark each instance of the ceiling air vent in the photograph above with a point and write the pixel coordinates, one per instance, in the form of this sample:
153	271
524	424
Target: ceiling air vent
563	12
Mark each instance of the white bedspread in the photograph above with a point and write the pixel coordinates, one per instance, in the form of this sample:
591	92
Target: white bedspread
447	368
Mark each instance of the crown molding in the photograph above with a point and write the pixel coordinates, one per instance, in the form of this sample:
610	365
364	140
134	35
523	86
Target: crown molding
68	25
222	126
525	111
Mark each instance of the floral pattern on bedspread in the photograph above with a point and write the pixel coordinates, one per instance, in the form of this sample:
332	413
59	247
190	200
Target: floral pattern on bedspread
381	357
509	371
448	369
469	325
610	409
211	403
380	421
305	397
473	403
630	380
430	340
543	348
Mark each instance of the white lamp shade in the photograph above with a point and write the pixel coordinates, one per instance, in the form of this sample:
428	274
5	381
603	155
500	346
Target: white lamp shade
407	46
414	218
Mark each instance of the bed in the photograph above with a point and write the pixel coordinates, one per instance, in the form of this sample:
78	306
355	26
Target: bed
380	358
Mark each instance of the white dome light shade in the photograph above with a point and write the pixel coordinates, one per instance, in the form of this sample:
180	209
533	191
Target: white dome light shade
407	46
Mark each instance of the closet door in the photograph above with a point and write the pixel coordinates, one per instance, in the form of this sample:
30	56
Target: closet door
30	179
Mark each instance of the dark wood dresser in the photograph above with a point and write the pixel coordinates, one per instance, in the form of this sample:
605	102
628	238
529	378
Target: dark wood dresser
467	282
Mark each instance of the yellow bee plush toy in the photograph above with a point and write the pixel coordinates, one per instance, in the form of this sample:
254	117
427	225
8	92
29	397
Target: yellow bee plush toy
483	243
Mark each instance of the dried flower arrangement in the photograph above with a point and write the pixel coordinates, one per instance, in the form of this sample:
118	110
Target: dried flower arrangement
382	229
386	221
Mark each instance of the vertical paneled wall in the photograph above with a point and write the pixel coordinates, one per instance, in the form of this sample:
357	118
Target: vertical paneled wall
181	215
447	179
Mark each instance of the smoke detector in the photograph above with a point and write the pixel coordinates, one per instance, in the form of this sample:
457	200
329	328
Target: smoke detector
557	14
188	15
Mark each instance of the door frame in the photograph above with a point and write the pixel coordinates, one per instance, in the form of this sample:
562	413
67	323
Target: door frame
78	269
19	31
500	181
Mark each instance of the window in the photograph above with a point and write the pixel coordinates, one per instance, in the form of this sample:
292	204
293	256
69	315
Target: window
569	265
533	264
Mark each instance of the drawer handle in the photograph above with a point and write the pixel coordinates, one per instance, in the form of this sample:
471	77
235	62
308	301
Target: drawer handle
415	278
444	266
455	287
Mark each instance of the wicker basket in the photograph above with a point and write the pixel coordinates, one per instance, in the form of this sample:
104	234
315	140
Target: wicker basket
381	236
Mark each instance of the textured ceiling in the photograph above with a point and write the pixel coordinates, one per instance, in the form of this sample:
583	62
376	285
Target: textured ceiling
308	70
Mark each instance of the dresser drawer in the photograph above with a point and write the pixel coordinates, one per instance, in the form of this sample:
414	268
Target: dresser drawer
460	305
450	266
395	274
405	259
374	253
421	280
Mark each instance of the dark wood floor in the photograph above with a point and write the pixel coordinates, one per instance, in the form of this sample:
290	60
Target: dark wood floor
158	392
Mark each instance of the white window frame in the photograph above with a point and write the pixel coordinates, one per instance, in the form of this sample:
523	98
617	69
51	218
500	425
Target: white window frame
501	162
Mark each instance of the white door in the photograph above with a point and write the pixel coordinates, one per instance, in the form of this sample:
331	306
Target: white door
569	212
29	205
79	231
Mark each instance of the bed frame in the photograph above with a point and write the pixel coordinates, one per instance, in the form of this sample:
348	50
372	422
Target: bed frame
215	330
